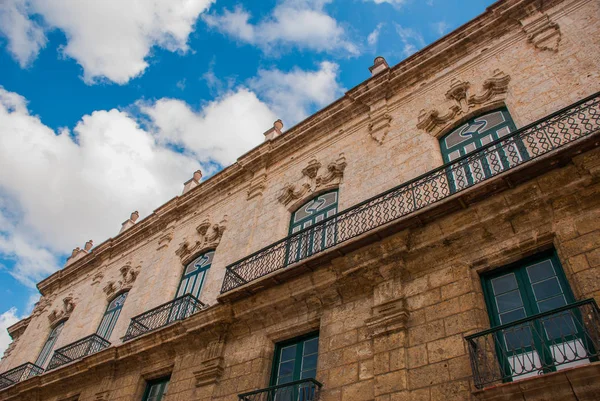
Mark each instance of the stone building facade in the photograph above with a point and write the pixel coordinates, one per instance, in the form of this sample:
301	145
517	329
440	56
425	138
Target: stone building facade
370	252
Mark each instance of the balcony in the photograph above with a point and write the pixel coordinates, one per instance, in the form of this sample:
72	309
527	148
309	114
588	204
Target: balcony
20	373
571	124
80	349
178	309
301	390
548	342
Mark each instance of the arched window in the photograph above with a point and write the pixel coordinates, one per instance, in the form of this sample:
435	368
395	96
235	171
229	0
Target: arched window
194	275
307	215
111	316
49	345
472	135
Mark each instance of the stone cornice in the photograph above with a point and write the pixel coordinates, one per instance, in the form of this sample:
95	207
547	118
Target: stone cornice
18	328
498	19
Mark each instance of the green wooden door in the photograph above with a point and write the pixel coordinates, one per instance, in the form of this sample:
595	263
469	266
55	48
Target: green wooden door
156	390
320	237
472	135
525	289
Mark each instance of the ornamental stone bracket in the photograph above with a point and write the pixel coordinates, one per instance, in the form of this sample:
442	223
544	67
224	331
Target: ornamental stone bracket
388	318
62	311
541	32
258	184
128	275
312	181
210	237
494	90
166	237
211	366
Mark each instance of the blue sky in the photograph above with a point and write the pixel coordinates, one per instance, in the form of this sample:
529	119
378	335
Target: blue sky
108	107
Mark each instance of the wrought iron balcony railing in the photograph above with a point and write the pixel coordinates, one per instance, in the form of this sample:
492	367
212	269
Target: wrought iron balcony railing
301	390
550	341
20	373
178	309
79	349
565	126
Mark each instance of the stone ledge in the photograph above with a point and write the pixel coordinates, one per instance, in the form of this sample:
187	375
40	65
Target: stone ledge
580	383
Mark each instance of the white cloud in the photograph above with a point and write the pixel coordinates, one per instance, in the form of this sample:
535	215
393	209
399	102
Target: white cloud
110	39
441	27
396	3
295	94
374	36
7	319
65	189
222	131
302	24
412	40
25	37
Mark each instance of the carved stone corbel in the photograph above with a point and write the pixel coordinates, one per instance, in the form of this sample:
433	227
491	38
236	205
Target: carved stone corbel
211	366
63	311
209	238
128	275
257	185
388	317
166	237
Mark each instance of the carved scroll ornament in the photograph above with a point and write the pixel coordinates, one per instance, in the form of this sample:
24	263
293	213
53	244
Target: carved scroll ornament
127	276
63	311
493	90
312	181
209	238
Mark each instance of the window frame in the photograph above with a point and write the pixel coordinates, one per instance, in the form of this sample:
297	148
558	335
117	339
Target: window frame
304	245
462	175
298	357
52	336
162	381
116	313
529	301
202	270
521	265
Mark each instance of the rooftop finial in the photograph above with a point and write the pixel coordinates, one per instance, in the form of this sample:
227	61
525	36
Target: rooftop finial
379	64
274	132
193	182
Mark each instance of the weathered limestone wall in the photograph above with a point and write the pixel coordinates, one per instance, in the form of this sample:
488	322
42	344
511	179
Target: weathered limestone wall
436	275
426	271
